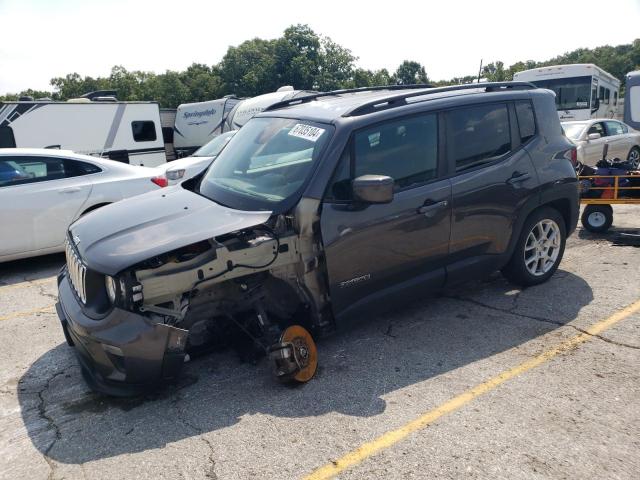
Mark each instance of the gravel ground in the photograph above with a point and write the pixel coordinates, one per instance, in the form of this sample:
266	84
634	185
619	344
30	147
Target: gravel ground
575	416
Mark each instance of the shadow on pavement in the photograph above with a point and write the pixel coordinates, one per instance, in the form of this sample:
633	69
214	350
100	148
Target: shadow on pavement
30	269
359	364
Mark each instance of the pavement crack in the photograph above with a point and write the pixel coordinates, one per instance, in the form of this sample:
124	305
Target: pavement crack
511	311
210	470
51	424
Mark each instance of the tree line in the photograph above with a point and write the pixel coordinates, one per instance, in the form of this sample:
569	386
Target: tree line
303	59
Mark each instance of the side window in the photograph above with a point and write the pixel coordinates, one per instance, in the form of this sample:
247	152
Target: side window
143	130
615	98
7	139
405	150
601	95
597	128
614	128
526	120
75	168
20	170
478	135
607	95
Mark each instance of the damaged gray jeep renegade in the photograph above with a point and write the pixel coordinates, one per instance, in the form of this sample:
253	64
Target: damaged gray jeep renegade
320	208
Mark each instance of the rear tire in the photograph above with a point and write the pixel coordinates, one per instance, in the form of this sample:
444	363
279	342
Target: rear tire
634	157
597	218
539	249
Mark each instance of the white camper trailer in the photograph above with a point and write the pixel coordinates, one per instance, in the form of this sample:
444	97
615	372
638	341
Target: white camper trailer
583	91
632	100
197	123
129	132
249	107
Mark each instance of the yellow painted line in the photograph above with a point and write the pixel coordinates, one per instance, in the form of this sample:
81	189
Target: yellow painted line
392	437
11	316
27	283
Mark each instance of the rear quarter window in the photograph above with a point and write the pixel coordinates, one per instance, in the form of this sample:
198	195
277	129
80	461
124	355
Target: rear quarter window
526	120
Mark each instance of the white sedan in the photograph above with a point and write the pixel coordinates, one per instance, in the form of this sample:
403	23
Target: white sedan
42	191
590	137
183	169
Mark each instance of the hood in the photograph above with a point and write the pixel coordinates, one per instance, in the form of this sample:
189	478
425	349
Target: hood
122	234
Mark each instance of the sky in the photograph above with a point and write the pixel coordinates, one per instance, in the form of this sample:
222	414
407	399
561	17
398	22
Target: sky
43	39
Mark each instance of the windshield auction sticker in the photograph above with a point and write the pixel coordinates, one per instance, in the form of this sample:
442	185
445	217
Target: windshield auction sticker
306	131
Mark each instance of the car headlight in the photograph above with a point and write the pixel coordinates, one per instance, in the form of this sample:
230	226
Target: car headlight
112	288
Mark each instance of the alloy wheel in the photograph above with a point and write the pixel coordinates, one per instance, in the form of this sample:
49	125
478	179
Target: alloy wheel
542	247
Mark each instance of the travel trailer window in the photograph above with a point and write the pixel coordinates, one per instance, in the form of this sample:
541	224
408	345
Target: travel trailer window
571	93
143	130
6	138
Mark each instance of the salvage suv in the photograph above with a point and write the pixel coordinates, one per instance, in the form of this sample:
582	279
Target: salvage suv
320	208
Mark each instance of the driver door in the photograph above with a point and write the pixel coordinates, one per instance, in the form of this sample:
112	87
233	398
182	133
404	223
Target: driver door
376	251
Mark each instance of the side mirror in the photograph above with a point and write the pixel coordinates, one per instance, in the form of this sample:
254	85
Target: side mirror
593	136
596	105
373	189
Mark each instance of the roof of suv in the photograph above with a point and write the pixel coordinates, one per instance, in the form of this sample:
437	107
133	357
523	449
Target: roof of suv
328	106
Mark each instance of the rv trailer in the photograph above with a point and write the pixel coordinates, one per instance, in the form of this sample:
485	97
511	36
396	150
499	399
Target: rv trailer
246	109
583	91
95	124
197	123
632	100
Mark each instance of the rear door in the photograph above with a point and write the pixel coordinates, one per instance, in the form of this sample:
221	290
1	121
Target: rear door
619	143
37	206
494	178
378	251
593	148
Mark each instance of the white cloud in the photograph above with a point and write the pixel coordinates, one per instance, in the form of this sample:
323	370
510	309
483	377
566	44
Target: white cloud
48	38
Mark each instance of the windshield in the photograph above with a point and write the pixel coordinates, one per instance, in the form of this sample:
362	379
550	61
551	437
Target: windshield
574	130
267	162
215	146
571	93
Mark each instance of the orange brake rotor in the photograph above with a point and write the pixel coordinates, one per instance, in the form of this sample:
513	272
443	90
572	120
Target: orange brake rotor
305	351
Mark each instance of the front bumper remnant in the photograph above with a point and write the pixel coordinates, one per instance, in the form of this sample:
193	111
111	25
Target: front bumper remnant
123	353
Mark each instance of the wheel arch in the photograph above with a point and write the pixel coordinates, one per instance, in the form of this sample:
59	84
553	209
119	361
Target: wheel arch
94	207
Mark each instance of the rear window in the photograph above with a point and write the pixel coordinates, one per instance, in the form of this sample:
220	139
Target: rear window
143	130
478	135
526	120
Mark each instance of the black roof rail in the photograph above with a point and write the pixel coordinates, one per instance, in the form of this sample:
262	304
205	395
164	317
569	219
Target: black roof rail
313	96
398	100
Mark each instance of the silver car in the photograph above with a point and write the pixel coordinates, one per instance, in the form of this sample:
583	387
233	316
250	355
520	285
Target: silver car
590	136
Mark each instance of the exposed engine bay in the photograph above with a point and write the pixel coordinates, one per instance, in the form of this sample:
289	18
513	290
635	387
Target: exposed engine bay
259	281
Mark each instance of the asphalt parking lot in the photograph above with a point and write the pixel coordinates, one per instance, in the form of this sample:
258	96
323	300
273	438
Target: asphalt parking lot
487	381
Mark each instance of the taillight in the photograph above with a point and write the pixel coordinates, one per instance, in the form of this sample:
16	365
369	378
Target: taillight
572	156
160	181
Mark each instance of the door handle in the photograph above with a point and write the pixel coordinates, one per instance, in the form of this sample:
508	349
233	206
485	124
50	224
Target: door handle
430	209
518	177
69	190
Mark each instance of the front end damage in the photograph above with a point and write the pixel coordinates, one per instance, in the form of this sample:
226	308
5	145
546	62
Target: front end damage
265	282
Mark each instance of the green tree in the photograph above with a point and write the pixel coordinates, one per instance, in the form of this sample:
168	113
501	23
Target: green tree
336	66
250	68
298	57
410	72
